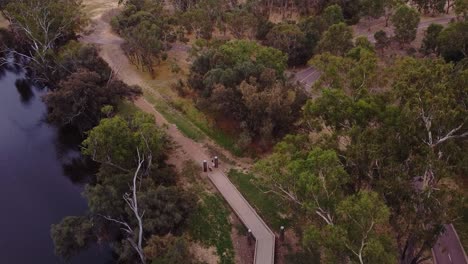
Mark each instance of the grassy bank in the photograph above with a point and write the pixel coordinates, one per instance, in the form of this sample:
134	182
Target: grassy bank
210	226
182	111
268	206
191	121
174	117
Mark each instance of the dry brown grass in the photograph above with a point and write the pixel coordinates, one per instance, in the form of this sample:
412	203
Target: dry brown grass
95	8
277	16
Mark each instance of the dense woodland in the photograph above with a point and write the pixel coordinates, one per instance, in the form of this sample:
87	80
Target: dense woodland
372	156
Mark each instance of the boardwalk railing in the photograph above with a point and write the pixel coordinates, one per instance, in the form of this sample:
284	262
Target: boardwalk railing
265	238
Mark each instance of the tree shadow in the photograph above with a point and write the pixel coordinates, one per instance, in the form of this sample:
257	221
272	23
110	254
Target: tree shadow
24	88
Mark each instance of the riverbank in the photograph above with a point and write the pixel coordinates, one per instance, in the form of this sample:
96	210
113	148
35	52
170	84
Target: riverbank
40	181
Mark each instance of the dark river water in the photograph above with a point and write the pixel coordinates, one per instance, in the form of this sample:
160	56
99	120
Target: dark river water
35	189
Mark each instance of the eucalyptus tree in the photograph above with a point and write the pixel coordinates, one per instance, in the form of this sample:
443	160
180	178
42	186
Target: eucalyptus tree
127	199
289	38
244	81
405	21
338	40
241	23
397	148
44	25
452	41
430	42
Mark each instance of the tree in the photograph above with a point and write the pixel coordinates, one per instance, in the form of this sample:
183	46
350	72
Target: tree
337	40
289	39
452	41
381	39
316	181
245	82
389	9
353	74
431	93
430	43
241	23
147	35
263	27
231	63
351	10
405	21
313	180
71	235
184	5
266	107
373	8
431	5
44	25
78	99
166	209
134	237
402	144
461	8
131	154
356	234
331	15
114	142
360	216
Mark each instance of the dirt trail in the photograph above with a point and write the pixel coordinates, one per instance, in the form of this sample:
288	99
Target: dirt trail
363	28
110	50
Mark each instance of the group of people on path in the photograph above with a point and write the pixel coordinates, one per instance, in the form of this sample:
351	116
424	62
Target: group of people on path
214	164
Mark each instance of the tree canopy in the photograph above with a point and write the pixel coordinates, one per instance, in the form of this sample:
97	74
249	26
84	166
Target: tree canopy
244	81
405	21
131	149
338	40
86	86
383	155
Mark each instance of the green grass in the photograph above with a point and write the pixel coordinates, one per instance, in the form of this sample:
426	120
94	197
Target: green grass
210	225
199	119
192	120
186	127
270	207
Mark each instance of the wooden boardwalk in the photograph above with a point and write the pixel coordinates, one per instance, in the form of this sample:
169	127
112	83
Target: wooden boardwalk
265	238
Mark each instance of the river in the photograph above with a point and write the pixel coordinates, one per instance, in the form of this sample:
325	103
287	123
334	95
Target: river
36	189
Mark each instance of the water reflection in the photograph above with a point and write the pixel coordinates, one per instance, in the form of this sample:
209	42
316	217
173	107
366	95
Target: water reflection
24	88
39	169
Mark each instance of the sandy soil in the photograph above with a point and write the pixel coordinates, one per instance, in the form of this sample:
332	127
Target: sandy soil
203	254
95	8
290	244
3	22
244	252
